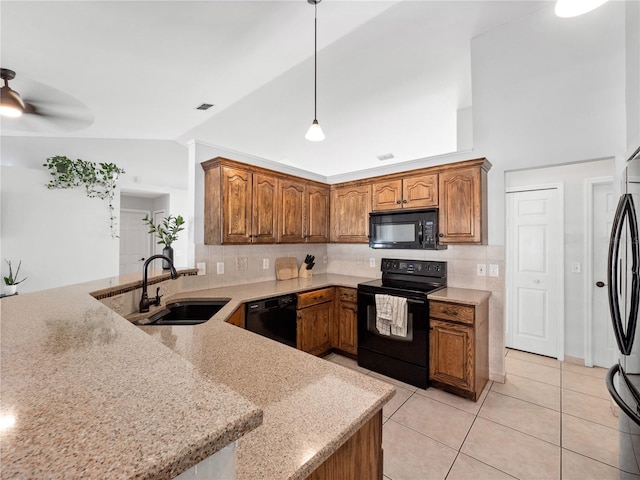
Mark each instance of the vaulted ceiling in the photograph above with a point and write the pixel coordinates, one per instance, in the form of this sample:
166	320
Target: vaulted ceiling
392	75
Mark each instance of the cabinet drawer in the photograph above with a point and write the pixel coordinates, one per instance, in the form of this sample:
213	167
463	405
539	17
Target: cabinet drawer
347	294
315	297
452	311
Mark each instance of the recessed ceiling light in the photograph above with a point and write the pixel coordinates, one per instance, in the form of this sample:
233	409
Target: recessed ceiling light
204	106
385	156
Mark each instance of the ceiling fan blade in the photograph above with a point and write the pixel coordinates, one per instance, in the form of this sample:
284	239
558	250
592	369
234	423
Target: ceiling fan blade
47	110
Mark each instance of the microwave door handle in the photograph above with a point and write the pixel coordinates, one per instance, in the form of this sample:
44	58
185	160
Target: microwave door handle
420	233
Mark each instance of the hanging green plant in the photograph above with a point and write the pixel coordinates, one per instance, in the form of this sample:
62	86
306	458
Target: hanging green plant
98	179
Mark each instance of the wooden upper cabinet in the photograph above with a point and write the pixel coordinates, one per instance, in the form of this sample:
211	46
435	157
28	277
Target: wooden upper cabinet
463	205
292	210
350	207
419	191
387	195
236	206
319	208
264	220
246	204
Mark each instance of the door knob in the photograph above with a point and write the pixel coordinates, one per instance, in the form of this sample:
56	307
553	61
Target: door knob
600	284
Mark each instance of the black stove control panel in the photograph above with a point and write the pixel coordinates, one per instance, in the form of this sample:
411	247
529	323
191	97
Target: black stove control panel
424	268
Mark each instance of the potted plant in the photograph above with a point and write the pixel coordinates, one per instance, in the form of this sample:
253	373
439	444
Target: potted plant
167	233
11	282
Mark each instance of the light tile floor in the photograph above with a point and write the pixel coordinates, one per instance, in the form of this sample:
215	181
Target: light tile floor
549	420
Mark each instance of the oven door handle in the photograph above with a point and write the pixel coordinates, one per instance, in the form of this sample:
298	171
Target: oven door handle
409	300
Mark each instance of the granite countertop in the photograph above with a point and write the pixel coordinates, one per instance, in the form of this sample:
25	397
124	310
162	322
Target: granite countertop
464	296
310	406
92	396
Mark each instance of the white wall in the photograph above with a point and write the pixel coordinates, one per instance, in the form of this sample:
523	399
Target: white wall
61	236
547	91
575	237
152	166
632	31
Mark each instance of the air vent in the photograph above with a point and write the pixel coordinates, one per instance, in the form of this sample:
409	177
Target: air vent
385	156
204	106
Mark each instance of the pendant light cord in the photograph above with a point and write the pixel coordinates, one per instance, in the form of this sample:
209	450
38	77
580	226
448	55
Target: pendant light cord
315	63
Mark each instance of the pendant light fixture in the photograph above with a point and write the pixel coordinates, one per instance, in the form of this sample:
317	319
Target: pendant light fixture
573	8
11	104
315	132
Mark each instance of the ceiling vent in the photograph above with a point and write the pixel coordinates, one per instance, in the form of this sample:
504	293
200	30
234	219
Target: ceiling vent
204	106
385	156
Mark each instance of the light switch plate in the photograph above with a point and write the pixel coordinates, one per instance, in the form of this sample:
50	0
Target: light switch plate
265	263
372	262
576	267
202	268
220	268
494	270
481	270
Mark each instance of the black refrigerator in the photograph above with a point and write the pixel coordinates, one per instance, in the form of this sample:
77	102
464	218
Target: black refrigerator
623	283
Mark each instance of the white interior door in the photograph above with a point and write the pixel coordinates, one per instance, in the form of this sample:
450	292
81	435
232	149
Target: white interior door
158	217
135	243
534	264
604	208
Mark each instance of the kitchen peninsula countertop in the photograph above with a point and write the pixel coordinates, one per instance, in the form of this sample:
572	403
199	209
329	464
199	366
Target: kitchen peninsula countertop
93	396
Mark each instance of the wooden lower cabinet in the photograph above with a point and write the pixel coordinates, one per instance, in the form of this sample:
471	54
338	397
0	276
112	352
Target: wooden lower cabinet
459	347
315	318
360	457
237	317
345	331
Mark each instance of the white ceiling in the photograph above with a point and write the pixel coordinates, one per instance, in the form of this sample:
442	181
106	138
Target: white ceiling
391	74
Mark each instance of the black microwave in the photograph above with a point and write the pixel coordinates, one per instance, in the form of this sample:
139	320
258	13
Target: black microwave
416	229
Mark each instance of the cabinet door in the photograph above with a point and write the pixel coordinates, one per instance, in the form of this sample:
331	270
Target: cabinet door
420	191
460	206
292	211
348	327
350	208
318	203
387	195
238	317
264	220
236	205
314	328
451	354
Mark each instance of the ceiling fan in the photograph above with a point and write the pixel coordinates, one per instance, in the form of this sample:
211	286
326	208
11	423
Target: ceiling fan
43	108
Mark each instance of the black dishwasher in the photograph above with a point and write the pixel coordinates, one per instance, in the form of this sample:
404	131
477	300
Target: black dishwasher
274	318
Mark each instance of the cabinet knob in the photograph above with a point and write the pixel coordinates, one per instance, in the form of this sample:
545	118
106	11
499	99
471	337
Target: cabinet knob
398	202
441	235
405	201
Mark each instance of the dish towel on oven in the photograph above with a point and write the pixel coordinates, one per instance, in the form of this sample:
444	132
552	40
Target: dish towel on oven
391	315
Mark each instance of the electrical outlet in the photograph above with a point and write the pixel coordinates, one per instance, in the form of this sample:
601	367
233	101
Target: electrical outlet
494	270
265	263
242	263
202	268
220	268
372	262
481	270
325	259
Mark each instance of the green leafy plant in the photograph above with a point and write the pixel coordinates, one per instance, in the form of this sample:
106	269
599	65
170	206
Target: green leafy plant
166	230
99	180
12	279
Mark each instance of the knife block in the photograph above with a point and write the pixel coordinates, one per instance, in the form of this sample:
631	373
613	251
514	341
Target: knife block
304	272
